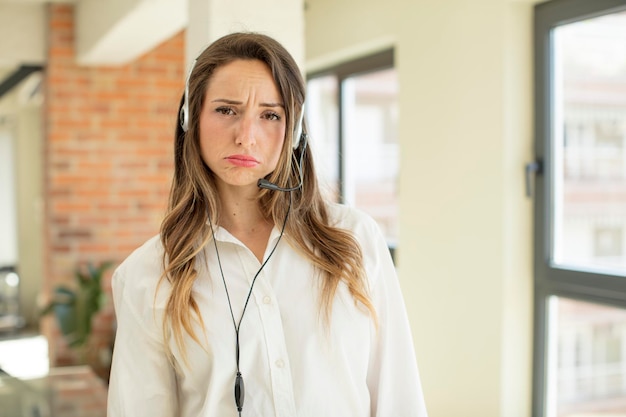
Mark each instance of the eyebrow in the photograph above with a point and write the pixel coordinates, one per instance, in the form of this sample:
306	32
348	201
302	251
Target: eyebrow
235	102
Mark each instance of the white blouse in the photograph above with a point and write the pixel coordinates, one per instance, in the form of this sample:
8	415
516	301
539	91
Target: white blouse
293	364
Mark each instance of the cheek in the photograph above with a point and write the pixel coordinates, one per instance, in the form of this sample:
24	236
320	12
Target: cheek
204	154
207	148
277	145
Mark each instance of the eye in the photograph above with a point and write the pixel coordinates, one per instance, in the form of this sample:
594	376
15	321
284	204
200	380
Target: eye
270	115
225	110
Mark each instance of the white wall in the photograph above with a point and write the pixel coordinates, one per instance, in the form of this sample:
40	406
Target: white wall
22	39
464	253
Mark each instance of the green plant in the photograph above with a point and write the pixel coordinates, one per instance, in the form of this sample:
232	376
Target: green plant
74	308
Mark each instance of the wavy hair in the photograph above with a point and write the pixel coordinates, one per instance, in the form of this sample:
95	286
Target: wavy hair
334	252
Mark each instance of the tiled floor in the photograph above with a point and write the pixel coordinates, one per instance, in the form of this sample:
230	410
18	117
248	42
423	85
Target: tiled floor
77	392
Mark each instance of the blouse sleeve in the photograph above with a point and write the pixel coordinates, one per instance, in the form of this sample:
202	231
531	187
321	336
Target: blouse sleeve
393	376
142	381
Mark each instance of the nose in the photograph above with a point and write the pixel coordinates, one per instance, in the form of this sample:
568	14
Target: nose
246	131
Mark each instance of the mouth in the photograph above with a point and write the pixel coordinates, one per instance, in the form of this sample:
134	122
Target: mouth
242	160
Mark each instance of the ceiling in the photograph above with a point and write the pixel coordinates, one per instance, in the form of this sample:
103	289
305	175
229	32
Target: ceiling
107	33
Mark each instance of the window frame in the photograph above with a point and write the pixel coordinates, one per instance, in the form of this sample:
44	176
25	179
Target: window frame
370	63
550	280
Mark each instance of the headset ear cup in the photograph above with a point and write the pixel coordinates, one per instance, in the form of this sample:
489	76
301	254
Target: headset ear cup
297	132
184	111
296	140
184	118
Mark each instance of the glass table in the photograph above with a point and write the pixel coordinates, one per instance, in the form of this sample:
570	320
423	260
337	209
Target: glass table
64	392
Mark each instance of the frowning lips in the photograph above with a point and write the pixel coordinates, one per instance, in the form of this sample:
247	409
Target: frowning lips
242	160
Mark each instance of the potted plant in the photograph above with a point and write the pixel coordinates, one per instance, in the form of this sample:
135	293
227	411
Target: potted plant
74	307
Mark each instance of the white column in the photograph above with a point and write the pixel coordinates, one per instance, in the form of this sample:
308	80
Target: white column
281	19
29	155
8	232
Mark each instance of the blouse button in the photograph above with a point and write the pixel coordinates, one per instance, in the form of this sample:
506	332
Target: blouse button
267	299
280	363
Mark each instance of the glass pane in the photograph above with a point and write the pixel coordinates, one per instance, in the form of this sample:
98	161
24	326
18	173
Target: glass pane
589	144
370	148
322	115
586	360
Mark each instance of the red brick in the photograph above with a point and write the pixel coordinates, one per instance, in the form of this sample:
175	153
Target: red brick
109	149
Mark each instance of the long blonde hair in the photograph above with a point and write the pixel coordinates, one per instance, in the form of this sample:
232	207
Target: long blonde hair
193	195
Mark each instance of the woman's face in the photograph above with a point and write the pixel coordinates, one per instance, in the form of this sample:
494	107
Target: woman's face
242	124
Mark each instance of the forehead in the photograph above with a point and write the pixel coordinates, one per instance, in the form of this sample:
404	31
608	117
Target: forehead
241	75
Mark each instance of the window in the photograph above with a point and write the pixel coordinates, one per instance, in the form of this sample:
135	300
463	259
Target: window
352	110
580	209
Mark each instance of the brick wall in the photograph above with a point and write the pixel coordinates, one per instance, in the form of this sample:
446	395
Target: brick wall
108	159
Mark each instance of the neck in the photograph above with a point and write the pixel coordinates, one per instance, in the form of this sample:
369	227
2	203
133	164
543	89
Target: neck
242	217
240	212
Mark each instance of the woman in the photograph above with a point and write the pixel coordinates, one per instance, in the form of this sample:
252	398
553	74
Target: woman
258	298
